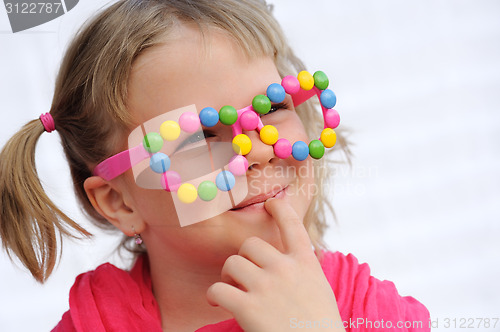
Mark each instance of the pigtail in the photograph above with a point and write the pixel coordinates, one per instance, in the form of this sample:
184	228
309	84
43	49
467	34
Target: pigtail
29	220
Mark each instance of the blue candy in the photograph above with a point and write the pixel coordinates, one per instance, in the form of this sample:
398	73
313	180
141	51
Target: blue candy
159	163
209	116
225	181
328	98
300	150
276	93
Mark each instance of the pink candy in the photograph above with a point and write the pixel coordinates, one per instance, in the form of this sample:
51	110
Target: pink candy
291	84
332	119
238	165
249	120
171	181
282	148
189	122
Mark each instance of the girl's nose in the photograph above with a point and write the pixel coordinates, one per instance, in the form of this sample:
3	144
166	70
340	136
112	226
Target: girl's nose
261	154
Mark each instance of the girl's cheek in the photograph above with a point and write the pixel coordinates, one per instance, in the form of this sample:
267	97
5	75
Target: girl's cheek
155	206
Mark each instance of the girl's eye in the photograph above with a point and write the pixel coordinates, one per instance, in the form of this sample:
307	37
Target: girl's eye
196	137
273	109
201	135
276	107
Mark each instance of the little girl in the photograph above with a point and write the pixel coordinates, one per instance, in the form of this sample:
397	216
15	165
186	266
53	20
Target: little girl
245	266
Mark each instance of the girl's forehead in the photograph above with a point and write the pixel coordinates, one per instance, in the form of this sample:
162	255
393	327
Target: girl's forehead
210	70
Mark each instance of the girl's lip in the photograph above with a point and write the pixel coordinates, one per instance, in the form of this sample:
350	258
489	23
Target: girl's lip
257	202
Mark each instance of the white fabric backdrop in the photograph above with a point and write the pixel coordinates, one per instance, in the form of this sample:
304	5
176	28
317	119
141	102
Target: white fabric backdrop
418	84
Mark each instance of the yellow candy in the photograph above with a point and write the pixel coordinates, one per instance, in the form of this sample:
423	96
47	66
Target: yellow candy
170	130
269	134
242	144
306	80
187	193
328	137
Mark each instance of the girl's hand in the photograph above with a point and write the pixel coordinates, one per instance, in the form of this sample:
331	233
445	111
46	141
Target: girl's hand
267	290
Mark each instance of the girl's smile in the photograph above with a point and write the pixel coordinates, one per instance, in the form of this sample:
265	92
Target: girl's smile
256	203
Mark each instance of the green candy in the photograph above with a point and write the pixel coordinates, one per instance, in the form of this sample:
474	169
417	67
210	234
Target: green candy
321	80
261	104
228	115
207	190
316	149
152	142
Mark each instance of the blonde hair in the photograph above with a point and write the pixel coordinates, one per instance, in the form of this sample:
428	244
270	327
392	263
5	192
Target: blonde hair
89	107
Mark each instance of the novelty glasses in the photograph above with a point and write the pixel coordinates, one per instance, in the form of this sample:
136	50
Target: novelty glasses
170	151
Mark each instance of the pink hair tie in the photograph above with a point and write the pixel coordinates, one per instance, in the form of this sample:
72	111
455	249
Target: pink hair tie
48	122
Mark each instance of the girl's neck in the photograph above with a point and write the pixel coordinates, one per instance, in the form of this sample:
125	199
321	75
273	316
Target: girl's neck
180	293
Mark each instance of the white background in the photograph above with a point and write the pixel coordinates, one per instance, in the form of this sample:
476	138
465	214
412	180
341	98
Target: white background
418	84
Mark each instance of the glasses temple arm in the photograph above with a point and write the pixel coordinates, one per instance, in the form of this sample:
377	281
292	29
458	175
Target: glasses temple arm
121	162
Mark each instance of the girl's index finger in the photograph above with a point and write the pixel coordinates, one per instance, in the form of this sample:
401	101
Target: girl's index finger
292	230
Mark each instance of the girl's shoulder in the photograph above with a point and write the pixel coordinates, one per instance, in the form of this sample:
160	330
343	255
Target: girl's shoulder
366	300
338	266
111	299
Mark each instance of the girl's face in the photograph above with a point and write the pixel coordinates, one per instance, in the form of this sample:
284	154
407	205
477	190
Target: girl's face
214	71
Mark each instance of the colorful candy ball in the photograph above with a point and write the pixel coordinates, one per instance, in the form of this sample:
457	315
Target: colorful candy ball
159	163
249	120
290	84
225	181
209	117
328	98
152	142
242	144
189	122
207	190
276	93
228	115
300	150
316	149
332	118
328	137
269	134
170	181
321	80
187	193
282	148
170	130
238	165
306	80
261	104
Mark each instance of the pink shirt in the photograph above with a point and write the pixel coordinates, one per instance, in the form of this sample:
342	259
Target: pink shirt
110	299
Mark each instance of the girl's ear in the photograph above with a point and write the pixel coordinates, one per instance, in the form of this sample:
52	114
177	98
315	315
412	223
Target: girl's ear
111	203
